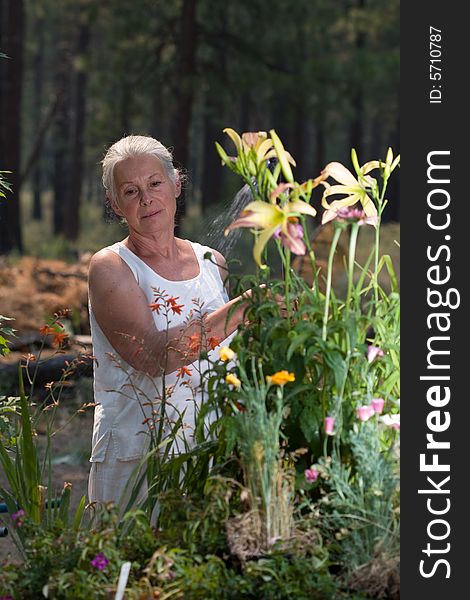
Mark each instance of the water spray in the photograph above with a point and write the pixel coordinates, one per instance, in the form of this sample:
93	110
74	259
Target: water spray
230	211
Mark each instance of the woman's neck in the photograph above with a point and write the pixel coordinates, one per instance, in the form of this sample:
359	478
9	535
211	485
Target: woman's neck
161	244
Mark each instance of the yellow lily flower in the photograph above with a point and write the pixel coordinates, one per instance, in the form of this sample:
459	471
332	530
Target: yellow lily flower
390	163
270	218
355	190
282	156
255	147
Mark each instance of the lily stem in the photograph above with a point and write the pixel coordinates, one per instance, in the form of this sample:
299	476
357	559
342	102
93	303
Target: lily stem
334	243
351	259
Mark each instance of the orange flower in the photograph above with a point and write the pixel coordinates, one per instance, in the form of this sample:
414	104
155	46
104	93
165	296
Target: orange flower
59	337
194	343
46	330
280	378
182	371
174	306
155	306
213	342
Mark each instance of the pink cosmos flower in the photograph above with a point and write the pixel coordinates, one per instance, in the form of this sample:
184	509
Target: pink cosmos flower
311	475
329	425
378	405
356	215
364	413
100	561
374	352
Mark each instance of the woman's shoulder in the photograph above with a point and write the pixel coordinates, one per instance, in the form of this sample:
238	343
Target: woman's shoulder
107	259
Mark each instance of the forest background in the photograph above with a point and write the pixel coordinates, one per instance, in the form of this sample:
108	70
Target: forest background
81	73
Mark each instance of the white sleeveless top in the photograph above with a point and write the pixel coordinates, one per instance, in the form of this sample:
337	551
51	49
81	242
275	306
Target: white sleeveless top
125	397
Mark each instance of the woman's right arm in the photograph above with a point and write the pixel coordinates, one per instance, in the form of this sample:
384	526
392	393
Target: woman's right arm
123	314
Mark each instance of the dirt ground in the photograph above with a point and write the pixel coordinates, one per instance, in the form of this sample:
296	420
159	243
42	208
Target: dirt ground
31	291
71	445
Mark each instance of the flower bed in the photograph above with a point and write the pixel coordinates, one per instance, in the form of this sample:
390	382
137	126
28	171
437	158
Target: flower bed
292	489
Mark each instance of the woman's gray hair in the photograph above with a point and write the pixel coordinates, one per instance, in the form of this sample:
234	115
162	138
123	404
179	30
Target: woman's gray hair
129	147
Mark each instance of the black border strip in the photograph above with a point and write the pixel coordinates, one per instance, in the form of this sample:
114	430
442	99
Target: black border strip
434	131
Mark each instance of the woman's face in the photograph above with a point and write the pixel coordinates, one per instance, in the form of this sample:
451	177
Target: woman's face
145	195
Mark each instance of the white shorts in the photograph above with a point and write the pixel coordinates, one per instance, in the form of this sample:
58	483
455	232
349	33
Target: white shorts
112	480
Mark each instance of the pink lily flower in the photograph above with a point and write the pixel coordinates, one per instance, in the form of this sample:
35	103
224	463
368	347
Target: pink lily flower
378	405
364	413
293	238
269	218
329	425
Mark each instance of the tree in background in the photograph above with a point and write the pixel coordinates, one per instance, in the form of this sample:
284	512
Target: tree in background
12	22
324	74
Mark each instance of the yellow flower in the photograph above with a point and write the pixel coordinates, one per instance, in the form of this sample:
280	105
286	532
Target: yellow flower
226	353
356	190
254	148
390	163
282	156
280	378
269	218
233	380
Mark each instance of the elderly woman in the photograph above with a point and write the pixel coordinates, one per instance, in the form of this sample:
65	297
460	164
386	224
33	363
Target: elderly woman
140	340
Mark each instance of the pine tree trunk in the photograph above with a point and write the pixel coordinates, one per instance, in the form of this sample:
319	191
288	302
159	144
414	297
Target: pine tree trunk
356	131
186	74
61	135
38	75
71	224
12	24
212	167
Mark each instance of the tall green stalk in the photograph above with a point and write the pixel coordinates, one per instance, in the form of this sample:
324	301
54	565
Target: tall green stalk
351	261
334	243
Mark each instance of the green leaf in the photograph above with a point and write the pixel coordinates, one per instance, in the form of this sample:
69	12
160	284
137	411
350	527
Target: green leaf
77	519
387	261
27	460
339	367
310	421
3	346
